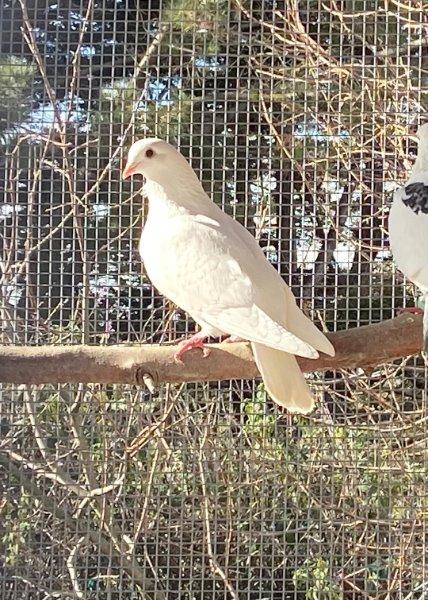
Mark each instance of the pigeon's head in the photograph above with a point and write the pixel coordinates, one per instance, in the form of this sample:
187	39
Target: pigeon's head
156	160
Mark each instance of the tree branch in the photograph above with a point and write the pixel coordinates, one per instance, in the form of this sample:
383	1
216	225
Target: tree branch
360	347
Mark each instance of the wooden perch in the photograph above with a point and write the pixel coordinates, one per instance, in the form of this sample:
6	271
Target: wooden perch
360	347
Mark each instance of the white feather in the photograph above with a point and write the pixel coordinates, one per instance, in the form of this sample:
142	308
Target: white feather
212	267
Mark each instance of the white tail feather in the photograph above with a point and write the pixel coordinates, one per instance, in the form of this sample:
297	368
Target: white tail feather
302	327
283	379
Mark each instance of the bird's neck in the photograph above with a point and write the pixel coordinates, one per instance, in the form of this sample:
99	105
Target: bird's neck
421	162
171	199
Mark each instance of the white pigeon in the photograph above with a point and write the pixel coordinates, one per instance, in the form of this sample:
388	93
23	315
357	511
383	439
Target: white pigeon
209	265
408	227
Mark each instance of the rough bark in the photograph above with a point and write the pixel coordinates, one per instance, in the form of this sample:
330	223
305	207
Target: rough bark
360	347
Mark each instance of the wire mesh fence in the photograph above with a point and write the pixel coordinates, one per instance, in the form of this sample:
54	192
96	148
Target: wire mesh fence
297	117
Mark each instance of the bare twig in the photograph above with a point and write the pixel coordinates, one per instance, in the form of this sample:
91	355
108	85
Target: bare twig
131	566
71	566
215	567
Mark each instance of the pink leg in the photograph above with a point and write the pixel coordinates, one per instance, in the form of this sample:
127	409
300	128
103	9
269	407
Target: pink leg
413	310
196	341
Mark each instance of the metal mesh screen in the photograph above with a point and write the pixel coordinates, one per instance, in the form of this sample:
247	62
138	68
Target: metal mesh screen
296	116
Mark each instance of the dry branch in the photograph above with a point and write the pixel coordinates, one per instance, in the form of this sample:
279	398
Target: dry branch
360	347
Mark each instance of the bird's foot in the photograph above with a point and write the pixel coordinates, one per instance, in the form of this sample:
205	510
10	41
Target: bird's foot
413	310
196	341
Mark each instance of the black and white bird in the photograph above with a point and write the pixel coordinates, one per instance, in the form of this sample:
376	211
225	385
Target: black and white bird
408	227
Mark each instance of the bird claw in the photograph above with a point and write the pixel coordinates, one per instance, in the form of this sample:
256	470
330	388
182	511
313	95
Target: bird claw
413	310
196	341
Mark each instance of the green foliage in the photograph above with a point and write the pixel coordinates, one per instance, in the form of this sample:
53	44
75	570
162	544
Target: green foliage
259	422
202	22
188	15
119	100
16	76
314	578
280	488
16	523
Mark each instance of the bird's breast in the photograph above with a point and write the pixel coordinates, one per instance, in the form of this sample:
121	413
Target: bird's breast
179	256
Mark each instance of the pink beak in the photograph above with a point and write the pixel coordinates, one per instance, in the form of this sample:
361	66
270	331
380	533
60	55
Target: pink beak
129	170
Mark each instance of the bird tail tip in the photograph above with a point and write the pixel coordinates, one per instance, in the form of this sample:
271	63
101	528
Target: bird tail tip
283	379
328	348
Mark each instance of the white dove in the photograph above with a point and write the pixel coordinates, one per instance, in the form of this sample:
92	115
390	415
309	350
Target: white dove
408	227
209	265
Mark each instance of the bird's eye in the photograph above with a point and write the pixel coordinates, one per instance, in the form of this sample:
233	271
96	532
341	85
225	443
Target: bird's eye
149	153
